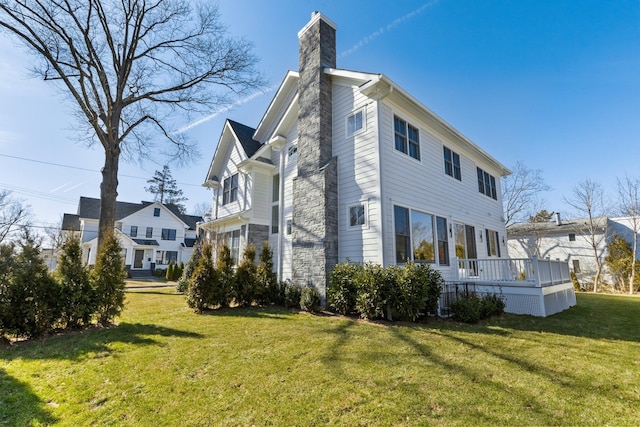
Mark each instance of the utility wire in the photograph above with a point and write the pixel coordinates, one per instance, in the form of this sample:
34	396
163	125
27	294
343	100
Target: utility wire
82	169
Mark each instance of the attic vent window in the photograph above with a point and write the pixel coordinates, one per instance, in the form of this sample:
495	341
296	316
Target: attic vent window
156	211
355	122
572	237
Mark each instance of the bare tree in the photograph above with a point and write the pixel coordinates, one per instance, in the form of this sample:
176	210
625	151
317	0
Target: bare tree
629	199
203	209
14	214
520	192
129	66
588	200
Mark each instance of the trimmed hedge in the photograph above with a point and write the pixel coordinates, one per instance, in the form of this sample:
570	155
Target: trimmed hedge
373	291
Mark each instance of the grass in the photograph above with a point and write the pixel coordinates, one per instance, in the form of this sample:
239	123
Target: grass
164	365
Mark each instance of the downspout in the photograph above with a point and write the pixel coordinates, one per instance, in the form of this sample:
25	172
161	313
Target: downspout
281	229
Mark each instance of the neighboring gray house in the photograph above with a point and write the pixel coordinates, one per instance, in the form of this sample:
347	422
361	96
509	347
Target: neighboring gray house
151	234
348	165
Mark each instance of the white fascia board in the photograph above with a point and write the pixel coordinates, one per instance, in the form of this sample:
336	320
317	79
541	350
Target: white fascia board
289	81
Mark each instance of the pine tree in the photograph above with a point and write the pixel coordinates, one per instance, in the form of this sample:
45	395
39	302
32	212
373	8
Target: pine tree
245	278
188	270
267	282
165	189
226	274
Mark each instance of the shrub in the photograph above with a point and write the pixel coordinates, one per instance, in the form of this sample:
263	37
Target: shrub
202	286
244	284
169	273
28	295
226	276
471	308
374	288
574	280
107	278
309	299
410	291
188	270
267	288
466	309
292	294
158	272
77	299
343	289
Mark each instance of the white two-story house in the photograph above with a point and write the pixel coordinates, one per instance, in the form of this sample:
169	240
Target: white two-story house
151	234
348	165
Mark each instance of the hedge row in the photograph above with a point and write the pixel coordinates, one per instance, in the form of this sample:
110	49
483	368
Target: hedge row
373	291
33	302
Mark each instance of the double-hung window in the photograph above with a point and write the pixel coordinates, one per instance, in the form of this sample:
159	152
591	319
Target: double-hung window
168	234
406	138
452	164
149	233
134	231
487	184
230	189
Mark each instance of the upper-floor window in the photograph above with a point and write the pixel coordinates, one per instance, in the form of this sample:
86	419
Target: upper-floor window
487	184
168	234
156	211
149	233
355	122
134	231
230	189
572	237
407	138
452	164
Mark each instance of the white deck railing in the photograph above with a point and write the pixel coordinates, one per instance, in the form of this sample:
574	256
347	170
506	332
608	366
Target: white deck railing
513	271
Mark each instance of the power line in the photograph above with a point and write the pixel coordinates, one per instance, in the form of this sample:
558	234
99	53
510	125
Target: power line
82	169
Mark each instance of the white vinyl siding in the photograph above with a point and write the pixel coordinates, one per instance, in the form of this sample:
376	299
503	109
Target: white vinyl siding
357	176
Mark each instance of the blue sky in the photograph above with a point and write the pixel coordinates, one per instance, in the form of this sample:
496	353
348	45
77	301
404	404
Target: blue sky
552	84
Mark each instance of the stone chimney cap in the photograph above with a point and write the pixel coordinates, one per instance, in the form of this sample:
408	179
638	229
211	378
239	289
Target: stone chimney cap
316	16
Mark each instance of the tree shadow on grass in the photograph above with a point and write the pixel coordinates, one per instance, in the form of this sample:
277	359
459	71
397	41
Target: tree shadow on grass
19	405
257	312
76	345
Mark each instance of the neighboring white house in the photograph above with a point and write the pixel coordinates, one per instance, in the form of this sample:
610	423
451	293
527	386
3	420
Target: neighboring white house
151	234
348	165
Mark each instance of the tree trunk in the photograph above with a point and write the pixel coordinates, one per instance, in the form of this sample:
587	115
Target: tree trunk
596	279
108	193
632	280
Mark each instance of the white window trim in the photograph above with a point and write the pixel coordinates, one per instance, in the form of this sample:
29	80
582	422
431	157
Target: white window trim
362	110
364	203
408	122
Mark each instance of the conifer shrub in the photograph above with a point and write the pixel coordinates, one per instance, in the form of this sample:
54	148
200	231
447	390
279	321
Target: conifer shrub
107	278
29	297
574	280
244	283
267	288
202	289
179	270
187	271
169	273
310	299
77	298
226	276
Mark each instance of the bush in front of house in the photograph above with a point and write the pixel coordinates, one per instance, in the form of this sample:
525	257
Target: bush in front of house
244	283
203	288
107	278
187	271
77	297
343	288
29	297
373	291
267	289
472	308
309	299
226	276
292	294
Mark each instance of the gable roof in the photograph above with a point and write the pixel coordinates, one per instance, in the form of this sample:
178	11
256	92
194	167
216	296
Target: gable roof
245	136
88	207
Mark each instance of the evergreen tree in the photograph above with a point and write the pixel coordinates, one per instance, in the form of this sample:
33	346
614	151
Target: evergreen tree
245	278
77	298
188	270
108	280
266	280
201	290
165	189
619	261
226	273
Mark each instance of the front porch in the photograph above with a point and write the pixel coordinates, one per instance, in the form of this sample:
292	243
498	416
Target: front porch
528	285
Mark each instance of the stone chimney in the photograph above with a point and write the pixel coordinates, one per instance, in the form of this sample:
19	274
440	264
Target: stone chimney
315	190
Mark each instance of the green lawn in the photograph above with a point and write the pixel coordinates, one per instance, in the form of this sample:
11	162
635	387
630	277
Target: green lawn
167	366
